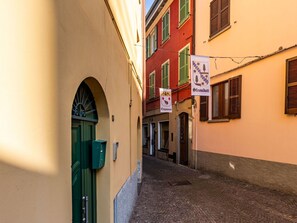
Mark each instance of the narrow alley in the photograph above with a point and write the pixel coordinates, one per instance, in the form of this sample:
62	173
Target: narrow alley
174	193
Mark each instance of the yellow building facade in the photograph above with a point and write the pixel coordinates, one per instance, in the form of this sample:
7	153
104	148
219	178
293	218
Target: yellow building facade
244	129
53	52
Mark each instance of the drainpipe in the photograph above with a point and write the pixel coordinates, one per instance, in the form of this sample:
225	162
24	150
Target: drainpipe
130	105
194	123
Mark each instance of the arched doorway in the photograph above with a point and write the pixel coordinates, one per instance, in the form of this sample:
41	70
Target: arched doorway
84	119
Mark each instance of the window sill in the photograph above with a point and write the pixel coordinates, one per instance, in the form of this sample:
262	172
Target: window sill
182	84
218	120
180	24
152	54
165	40
152	99
219	33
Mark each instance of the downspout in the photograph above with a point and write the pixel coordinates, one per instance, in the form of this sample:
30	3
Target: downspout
130	110
194	102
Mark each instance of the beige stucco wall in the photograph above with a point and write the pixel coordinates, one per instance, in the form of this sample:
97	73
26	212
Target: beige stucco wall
48	49
257	28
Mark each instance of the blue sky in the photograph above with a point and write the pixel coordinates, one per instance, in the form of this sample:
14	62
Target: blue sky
148	4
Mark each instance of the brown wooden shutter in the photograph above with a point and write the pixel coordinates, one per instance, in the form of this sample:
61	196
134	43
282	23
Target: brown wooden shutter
291	87
214	17
235	97
225	15
203	108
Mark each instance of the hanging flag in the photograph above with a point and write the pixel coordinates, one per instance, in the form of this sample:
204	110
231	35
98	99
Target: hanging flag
200	80
165	100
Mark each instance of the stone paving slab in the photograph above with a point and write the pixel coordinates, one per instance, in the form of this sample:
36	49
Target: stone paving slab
165	197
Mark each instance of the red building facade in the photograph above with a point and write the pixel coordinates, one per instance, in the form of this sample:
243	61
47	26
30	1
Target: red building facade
173	51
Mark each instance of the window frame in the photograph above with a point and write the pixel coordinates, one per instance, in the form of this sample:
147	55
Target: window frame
153	85
233	106
221	100
220	10
152	42
180	82
168	26
182	21
167	62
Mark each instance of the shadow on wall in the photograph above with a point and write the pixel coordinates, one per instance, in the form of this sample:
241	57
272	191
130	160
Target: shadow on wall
28	88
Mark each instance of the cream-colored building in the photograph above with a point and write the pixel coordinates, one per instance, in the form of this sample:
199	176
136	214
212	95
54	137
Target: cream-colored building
70	73
247	127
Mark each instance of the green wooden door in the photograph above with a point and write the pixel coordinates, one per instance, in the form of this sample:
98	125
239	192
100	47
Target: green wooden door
83	177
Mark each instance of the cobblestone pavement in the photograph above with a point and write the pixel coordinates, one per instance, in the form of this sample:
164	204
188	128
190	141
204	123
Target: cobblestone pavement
205	197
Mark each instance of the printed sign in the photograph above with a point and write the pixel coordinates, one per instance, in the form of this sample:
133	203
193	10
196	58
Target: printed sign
200	80
165	100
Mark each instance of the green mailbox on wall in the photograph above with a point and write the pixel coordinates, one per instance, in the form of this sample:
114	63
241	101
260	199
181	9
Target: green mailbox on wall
98	154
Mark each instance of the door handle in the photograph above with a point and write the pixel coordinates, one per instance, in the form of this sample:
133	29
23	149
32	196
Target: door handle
85	209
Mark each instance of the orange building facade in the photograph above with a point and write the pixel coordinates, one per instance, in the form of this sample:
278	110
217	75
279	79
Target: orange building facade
247	127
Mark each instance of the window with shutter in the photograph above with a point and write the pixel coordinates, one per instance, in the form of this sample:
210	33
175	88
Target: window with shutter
219	15
184	10
291	87
152	42
165	27
184	65
203	108
152	85
226	99
165	75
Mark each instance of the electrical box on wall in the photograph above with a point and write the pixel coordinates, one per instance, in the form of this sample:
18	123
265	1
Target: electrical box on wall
98	153
115	150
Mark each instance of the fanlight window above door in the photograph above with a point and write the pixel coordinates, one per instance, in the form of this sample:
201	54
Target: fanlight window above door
84	106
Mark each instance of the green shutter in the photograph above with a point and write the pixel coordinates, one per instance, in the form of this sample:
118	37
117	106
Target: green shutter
183	66
152	86
183	10
155	39
166	75
165	69
147	47
165	26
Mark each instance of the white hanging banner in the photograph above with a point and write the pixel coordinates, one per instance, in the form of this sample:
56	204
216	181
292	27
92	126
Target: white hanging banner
165	100
200	80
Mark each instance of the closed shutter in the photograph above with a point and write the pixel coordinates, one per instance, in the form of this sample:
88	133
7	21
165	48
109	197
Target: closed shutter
203	108
147	47
224	14
183	66
165	26
219	15
183	10
155	39
291	87
235	97
165	75
214	17
152	85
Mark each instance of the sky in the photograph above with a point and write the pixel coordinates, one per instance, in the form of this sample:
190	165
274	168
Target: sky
148	4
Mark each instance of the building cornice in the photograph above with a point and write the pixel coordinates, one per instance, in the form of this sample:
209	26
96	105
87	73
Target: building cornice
153	12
